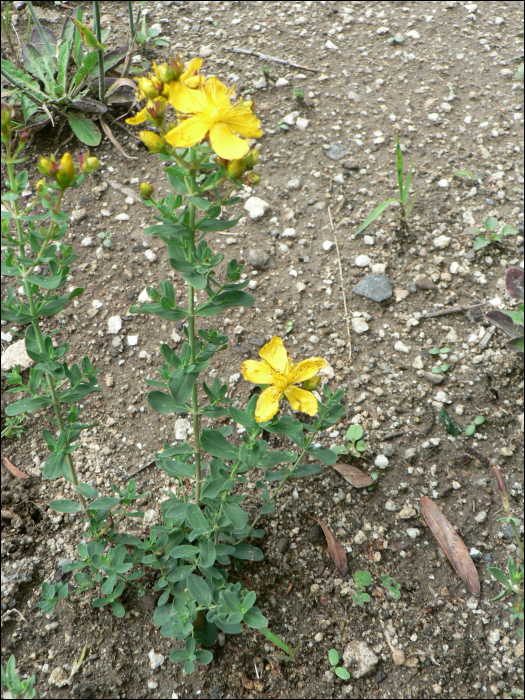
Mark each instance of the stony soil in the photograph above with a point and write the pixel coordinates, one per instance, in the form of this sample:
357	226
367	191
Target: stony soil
448	92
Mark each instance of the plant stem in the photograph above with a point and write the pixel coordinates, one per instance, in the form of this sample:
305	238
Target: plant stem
100	53
39	28
34	317
518	540
131	25
27	93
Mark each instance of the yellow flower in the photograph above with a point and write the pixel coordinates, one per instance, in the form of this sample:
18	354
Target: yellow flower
63	172
212	113
152	141
278	370
151	110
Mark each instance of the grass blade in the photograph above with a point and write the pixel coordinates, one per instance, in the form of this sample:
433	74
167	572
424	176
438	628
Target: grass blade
375	214
407	185
399	166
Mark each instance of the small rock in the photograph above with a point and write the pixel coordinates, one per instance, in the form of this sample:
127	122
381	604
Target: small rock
359	659
122	217
378	268
302	123
314	339
369	240
442	397
401	347
150	518
290	119
257	258
8	337
359	325
354	96
150	255
256	207
16	354
328	245
144	297
114	324
182	428
259	83
413	532
475	554
152	685
109	380
400	294
336	151
443	183
155	659
205	51
442	241
77	215
58	677
494	636
374	287
362	261
330	45
410	453
87	242
434	378
425	284
413	34
289	233
381	461
281	82
390	505
132	340
294	184
407	511
481	516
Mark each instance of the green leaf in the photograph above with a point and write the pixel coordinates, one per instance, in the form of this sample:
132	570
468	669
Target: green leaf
498	575
490	223
306	470
84	129
162	403
34	403
203	656
216	224
196	517
247	551
200	203
224	301
87	490
508	229
516	345
88	37
255	619
64	505
333	657
208	554
362	578
156	309
448	423
470	429
275	640
479	420
118	608
399	168
104	503
480	242
342	673
184	550
199	590
354	433
325	455
375	214
235	514
51	282
216	444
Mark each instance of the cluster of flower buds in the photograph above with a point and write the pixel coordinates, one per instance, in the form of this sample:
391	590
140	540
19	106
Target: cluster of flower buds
239	166
65	172
6	119
166	73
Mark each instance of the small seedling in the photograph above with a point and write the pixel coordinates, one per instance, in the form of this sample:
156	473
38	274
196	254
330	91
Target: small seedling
340	671
511	322
397	39
448	423
471	429
362	579
14	426
289	327
467	173
105	236
146	35
443	352
490	225
355	445
298	94
266	70
404	188
289	654
390	584
18	689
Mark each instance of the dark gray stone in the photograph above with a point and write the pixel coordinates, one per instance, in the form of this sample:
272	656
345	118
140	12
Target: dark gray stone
434	377
336	151
257	258
374	287
282	544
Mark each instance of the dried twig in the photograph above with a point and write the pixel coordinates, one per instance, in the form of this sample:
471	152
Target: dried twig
342	286
149	464
265	57
451	310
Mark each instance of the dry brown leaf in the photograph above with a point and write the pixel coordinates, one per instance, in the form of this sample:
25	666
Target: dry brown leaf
113	140
336	548
14	470
357	478
451	543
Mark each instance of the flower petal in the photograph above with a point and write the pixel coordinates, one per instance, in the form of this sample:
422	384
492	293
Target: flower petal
217	93
187	101
244	122
257	372
193	67
139	117
188	133
306	369
301	400
267	404
225	143
275	354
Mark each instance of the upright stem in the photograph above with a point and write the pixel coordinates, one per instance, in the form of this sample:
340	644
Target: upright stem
34	317
101	80
131	25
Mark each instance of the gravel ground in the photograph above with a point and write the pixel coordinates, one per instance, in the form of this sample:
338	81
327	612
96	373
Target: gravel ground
445	86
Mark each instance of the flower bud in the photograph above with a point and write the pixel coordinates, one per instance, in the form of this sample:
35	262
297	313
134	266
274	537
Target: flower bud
6	118
88	163
155	111
149	88
40	185
236	168
146	190
152	141
311	384
253	178
177	67
164	73
47	166
252	158
66	171
502	486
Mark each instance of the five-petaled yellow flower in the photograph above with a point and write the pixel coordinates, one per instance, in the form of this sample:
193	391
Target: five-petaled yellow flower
210	112
278	370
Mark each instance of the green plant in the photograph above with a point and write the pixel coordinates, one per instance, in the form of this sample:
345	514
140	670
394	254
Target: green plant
390	584
10	679
471	428
289	327
27	243
405	204
298	94
105	236
206	525
145	35
362	579
289	654
512	582
266	70
512	322
14	426
467	173
355	446
444	367
340	671
45	89
490	225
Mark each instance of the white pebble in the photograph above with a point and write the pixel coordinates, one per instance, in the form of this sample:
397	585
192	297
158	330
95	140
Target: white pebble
362	261
97	304
122	217
443	183
300	286
150	255
87	242
413	532
144	297
133	340
359	325
155	659
328	245
281	82
381	461
256	207
401	347
289	233
433	116
378	268
494	636
481	516
369	240
330	45
302	123
182	428
114	324
442	241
